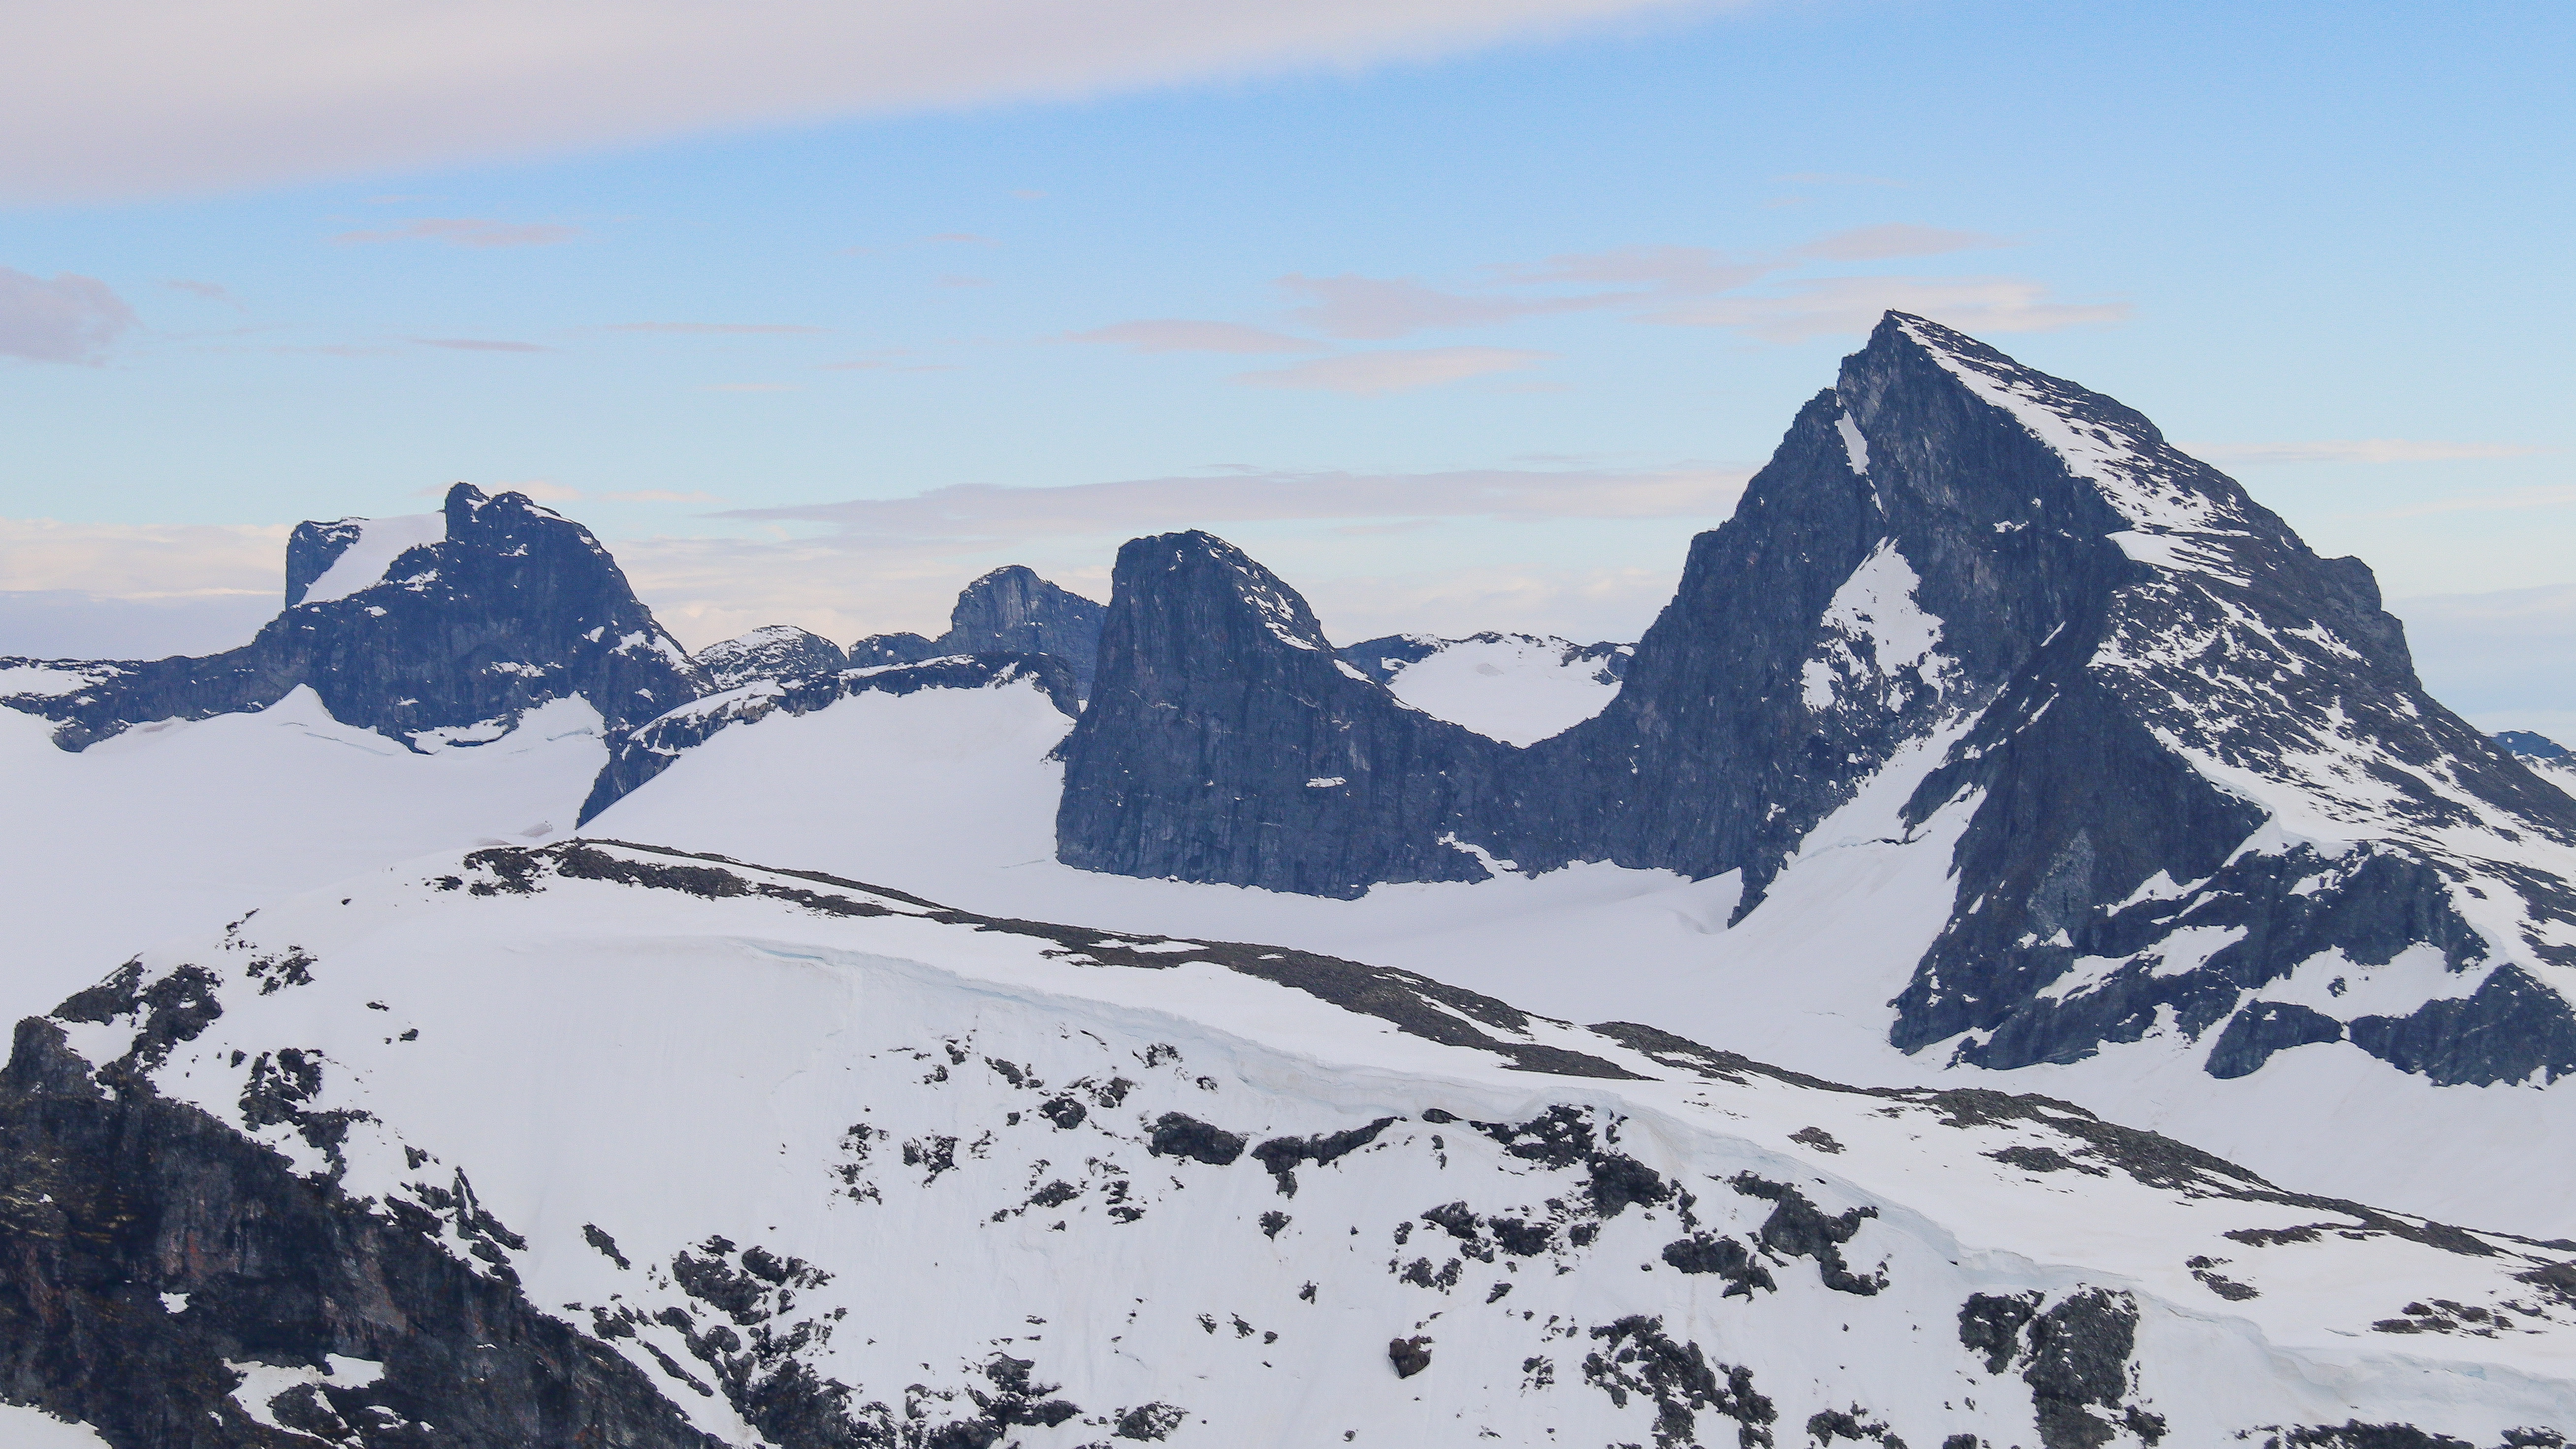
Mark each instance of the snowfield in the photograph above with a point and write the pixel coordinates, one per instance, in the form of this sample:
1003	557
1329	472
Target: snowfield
758	1129
950	794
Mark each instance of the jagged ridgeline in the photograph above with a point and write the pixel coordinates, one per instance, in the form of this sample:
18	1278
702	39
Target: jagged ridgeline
447	626
2178	759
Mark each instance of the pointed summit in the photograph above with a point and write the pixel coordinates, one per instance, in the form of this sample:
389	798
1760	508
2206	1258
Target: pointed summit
2178	766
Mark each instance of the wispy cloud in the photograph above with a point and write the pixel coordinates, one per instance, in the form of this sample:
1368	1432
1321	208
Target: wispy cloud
749	387
466	231
657	495
1840	306
477	344
69	319
1368	374
136	97
1834	178
2545	495
1377	308
210	291
1176	334
1892	240
713	329
982	513
2353	450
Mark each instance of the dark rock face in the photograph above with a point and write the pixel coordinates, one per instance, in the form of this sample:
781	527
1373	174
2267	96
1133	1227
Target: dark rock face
780	651
119	1200
881	649
516	607
2065	631
639	754
2524	745
1225	742
311	549
1013	611
1008	611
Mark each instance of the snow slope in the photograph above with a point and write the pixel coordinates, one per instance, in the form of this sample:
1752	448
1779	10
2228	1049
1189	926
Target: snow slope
177	827
950	794
761	1131
1517	688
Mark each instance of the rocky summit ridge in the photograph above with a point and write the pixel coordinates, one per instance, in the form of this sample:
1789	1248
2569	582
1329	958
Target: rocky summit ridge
2179	761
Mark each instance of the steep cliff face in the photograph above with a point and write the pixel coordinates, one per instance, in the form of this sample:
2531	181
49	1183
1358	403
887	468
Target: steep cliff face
1224	741
1013	611
928	1179
426	634
177	1285
2185	759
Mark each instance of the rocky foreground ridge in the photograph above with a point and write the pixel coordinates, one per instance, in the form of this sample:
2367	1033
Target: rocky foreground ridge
592	1143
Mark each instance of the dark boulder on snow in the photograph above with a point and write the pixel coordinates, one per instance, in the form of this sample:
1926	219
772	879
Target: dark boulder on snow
446	627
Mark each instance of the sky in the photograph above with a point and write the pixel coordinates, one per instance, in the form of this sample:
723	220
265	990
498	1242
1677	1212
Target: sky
1458	315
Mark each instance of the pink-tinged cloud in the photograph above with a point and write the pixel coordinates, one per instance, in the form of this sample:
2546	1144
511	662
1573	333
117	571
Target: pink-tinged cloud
1377	308
1893	240
477	344
1370	374
984	513
466	231
69	319
1843	306
713	329
657	495
1178	334
212	292
140	97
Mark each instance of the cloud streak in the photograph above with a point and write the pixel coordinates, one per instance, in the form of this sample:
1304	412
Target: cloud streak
714	329
1180	334
71	319
1373	374
465	231
987	513
123	98
477	344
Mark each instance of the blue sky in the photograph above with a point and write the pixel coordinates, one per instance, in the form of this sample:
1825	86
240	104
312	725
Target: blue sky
1470	325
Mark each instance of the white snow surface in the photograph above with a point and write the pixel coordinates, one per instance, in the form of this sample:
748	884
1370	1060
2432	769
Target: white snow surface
26	1428
380	541
179	826
1517	688
949	794
860	1096
1879	640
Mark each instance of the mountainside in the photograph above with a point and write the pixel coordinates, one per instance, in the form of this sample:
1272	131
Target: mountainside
1008	611
779	651
2540	754
300	1179
2180	766
1517	688
435	631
